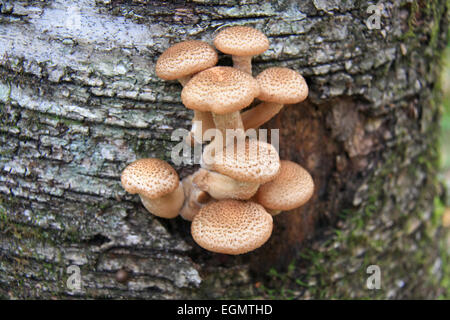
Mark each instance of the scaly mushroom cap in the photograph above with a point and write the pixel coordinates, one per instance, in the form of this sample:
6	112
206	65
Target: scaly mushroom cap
151	177
241	41
282	85
220	90
292	188
231	226
185	58
257	161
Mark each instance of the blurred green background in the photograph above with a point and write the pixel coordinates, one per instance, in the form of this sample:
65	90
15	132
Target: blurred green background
445	121
444	174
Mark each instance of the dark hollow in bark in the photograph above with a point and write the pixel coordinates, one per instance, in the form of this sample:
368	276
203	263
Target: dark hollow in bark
79	100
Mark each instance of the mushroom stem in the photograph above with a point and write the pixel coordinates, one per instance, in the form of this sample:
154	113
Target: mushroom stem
223	122
197	132
184	80
222	187
226	121
257	116
167	206
194	199
250	119
273	212
243	63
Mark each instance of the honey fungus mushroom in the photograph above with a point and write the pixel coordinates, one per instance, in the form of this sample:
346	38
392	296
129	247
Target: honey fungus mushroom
224	91
157	184
184	59
232	227
237	170
180	62
278	86
250	160
292	188
242	43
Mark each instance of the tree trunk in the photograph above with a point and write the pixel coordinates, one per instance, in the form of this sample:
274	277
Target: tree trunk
80	100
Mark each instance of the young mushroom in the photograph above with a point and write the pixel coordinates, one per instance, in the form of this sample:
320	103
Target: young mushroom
238	169
278	86
224	91
157	184
292	188
242	43
251	160
180	62
232	226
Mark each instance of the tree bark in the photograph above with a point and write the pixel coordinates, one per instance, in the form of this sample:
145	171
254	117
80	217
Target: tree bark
79	101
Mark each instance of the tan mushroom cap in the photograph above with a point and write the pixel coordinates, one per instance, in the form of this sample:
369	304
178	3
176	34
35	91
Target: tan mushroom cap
241	41
232	226
151	177
220	90
282	85
185	58
292	188
257	161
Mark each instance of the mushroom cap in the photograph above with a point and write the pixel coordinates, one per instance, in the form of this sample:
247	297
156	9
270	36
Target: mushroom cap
185	58
241	41
282	85
150	177
232	226
292	188
256	161
220	90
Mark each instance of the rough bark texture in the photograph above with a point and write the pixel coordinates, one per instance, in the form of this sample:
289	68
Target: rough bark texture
79	101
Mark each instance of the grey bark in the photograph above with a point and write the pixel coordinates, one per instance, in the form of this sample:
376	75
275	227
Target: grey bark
79	101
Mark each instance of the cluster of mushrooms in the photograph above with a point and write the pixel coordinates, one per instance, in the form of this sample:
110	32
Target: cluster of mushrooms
232	197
